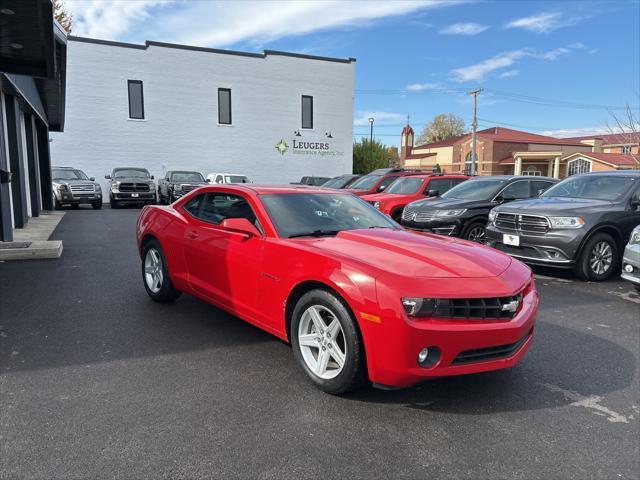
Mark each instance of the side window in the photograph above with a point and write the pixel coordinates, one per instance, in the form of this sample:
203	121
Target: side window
539	186
219	179
215	207
439	184
386	182
193	205
517	190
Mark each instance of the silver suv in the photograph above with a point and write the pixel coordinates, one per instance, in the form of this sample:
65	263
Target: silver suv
72	187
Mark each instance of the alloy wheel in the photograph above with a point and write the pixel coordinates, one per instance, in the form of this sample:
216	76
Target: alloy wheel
153	275
322	342
601	258
476	234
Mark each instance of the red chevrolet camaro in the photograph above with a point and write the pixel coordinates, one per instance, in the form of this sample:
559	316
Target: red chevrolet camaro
359	297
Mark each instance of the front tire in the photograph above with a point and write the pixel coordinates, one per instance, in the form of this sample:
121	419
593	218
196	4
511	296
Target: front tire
475	232
155	274
326	342
598	258
97	205
112	203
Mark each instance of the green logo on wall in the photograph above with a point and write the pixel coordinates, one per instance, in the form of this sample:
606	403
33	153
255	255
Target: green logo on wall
282	146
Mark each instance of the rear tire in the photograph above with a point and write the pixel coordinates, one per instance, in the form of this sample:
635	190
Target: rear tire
112	203
598	259
56	204
326	344
155	274
396	215
75	206
474	232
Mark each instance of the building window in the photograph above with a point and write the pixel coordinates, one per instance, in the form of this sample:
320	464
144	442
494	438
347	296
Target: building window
136	99
467	164
626	149
224	106
532	171
307	111
579	165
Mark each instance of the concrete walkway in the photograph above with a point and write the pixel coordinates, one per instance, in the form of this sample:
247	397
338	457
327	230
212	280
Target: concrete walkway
32	242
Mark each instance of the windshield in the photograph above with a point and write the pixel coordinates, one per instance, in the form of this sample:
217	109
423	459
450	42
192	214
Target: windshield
405	185
235	179
316	214
187	177
366	182
596	187
68	174
476	189
131	173
338	182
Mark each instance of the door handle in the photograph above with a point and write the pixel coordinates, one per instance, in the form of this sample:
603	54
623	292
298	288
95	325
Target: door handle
192	234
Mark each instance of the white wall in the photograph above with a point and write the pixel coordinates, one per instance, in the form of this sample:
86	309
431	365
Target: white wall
180	129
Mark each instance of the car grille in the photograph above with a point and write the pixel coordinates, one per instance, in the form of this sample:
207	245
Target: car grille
489	353
83	188
134	187
522	251
415	215
522	223
188	188
477	308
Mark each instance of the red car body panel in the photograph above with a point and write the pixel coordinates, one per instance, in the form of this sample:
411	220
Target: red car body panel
389	203
374	188
252	277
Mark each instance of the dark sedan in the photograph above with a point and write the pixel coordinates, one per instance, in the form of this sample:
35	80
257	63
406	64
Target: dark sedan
463	210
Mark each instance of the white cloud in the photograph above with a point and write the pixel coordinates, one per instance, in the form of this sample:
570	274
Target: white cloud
464	29
421	87
478	71
509	74
544	22
380	118
575	132
222	23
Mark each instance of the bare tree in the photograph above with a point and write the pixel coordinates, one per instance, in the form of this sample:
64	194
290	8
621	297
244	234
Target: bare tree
626	126
64	18
443	126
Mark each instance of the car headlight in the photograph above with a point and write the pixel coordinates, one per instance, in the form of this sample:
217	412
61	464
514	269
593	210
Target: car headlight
63	188
492	215
635	237
376	205
566	222
98	188
419	307
450	213
152	186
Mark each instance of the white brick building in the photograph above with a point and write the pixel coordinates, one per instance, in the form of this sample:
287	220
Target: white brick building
185	114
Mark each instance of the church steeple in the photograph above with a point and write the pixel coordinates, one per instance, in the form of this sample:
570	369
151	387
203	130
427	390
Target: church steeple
406	140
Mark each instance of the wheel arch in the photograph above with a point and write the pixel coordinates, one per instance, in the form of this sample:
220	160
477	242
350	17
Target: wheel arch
604	228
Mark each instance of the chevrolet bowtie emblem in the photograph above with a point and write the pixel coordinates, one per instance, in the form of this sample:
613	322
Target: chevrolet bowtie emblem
511	306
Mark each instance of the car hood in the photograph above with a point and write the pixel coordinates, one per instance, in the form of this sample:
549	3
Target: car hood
71	181
133	179
189	183
381	197
413	254
554	205
449	203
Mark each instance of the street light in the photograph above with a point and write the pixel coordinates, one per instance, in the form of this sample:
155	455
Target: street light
371	143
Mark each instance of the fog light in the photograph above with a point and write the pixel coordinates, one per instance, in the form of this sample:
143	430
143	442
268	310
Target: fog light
422	356
628	268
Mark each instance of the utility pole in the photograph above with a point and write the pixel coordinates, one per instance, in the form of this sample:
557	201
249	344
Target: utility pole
371	143
474	126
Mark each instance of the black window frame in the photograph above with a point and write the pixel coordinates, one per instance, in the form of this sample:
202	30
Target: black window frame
220	122
302	111
197	214
137	82
429	185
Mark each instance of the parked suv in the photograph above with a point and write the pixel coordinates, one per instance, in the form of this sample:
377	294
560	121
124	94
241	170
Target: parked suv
631	259
408	189
582	223
313	181
340	182
131	185
463	210
378	180
72	187
178	182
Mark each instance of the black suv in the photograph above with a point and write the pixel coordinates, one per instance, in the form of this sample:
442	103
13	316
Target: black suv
463	210
582	223
176	183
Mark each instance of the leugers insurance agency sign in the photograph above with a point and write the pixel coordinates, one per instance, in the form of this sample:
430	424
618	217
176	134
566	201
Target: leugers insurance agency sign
308	147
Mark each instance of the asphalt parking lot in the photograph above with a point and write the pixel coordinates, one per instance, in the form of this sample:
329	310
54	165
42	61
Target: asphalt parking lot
96	381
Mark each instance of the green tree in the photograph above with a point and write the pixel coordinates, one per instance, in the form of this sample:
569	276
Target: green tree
64	18
443	126
394	157
368	156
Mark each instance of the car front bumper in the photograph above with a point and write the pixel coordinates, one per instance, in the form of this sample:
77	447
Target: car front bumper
631	260
450	226
77	198
462	346
133	196
556	248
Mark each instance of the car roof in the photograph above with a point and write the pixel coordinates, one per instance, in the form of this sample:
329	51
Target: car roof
130	168
515	177
627	173
279	189
227	173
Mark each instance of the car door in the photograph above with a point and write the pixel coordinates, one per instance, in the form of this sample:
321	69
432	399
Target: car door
223	265
439	184
518	190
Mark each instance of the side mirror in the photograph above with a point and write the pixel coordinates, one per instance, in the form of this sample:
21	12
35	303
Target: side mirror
207	180
508	198
5	176
433	193
381	188
635	200
151	177
240	225
92	179
108	177
541	191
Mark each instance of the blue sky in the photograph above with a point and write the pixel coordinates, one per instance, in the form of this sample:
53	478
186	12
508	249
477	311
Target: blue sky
547	66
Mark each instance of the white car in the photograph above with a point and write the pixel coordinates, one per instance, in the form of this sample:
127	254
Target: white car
227	178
